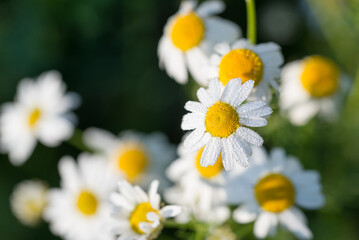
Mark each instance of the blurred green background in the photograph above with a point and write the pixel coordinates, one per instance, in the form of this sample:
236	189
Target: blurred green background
106	51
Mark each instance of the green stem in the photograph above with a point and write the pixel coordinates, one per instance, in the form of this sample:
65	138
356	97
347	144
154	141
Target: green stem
251	21
77	142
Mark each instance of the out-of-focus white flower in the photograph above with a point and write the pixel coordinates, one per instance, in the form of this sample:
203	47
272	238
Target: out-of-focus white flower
260	63
312	86
134	156
79	210
189	37
40	112
199	190
218	122
270	190
28	201
137	214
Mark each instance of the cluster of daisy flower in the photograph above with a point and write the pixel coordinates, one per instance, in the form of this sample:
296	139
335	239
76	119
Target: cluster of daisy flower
221	170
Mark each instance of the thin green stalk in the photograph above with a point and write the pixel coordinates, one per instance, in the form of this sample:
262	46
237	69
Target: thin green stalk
251	21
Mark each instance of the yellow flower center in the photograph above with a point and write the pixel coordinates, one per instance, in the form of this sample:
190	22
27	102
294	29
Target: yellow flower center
275	193
34	117
320	76
221	120
188	31
34	209
140	215
241	63
133	162
87	203
210	171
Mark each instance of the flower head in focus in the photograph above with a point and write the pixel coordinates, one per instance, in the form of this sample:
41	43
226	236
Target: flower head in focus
28	201
189	37
133	156
312	86
199	190
40	112
260	63
219	123
79	210
138	214
271	188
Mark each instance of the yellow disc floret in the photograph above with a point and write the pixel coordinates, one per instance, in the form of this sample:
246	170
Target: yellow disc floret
187	31
275	193
140	215
221	120
320	76
34	117
241	63
87	203
210	171
133	162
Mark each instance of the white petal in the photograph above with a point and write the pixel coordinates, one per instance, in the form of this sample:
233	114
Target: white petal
211	152
253	121
222	48
221	30
68	172
310	199
175	63
145	227
231	90
227	154
120	201
295	225
22	151
170	211
210	7
198	65
98	139
204	97
203	141
263	111
214	89
238	96
301	114
152	193
246	213
192	121
195	107
243	144
239	154
250	106
250	136
194	137
263	224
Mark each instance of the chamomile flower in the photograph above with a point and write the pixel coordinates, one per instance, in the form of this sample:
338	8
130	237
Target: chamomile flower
218	122
260	63
270	190
28	201
189	37
134	156
199	190
312	86
137	214
40	112
79	210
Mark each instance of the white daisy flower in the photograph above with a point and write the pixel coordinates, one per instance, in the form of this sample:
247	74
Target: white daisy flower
79	210
137	157
260	63
199	190
312	86
270	190
28	201
189	37
138	215
40	112
218	122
